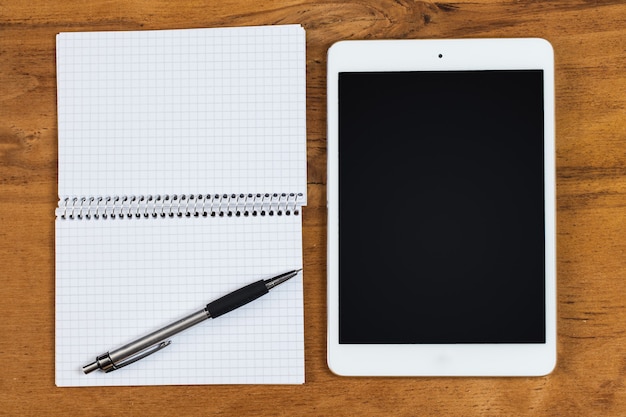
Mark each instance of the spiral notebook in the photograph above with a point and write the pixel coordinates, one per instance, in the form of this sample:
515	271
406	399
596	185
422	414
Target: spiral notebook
182	176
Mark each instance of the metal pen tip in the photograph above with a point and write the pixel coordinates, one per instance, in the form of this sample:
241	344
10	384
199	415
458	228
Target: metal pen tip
279	279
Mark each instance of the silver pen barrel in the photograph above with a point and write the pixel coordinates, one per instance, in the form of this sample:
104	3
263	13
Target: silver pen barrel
132	352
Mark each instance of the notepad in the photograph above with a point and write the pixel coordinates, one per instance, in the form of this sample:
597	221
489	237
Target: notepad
182	177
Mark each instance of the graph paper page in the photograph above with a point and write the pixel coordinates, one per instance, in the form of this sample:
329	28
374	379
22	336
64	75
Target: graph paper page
118	280
182	111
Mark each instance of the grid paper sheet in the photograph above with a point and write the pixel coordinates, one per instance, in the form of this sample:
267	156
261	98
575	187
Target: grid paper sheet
211	111
182	111
118	280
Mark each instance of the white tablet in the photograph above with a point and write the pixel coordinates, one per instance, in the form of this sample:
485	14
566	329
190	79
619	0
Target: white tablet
441	208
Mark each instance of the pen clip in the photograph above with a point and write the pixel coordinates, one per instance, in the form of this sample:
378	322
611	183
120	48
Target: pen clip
147	352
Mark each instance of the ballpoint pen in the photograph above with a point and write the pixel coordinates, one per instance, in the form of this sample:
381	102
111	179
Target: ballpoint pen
155	341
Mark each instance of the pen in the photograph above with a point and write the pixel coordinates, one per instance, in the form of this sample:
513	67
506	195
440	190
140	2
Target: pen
157	340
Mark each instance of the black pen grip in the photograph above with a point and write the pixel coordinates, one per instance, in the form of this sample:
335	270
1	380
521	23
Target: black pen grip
237	298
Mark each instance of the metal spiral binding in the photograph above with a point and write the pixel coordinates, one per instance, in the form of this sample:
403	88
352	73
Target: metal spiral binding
185	205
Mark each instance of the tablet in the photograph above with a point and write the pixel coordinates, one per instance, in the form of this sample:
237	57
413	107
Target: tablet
441	208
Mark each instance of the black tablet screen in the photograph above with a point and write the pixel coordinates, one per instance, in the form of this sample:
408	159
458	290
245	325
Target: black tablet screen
441	199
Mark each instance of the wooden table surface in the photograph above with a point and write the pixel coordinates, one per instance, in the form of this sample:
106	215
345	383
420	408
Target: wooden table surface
589	39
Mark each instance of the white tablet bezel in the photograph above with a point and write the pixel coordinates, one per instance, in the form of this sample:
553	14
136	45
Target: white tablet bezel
453	359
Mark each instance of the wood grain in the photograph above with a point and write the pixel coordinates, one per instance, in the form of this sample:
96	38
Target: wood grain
589	38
